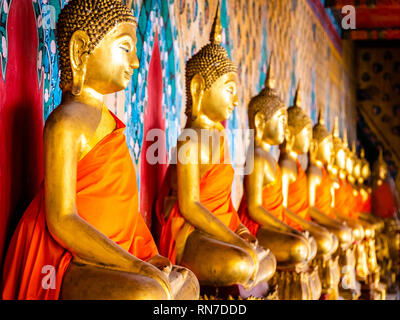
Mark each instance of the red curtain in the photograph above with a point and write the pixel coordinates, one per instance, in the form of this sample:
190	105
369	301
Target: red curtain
151	175
21	121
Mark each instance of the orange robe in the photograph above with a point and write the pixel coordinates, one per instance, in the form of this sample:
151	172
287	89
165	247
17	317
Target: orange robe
366	205
298	198
323	195
345	200
272	201
383	202
106	197
215	195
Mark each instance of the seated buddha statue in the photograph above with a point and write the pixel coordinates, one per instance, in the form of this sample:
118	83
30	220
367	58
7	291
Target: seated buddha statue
83	237
383	206
262	208
296	201
322	200
346	209
200	228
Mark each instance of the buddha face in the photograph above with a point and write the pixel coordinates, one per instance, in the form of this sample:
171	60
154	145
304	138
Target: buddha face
340	158
218	102
302	140
357	169
349	164
275	127
325	147
109	68
382	171
365	171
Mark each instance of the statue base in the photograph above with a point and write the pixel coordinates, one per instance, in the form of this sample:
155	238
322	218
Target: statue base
236	292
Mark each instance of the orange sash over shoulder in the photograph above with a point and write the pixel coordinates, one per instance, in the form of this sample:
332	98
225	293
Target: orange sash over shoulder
383	203
366	205
215	195
272	201
323	195
106	197
345	200
298	198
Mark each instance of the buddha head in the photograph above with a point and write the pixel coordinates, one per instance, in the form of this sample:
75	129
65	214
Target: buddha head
365	167
380	169
357	162
322	141
267	113
339	152
97	46
300	126
211	80
349	155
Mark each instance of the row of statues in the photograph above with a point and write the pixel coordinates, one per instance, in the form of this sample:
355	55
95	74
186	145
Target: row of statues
308	234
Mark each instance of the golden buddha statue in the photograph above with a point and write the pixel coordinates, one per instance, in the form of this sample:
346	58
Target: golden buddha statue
295	197
322	200
262	208
201	230
84	225
383	206
349	212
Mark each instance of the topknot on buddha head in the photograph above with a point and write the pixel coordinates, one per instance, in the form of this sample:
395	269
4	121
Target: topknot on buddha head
211	62
320	132
297	118
267	102
96	18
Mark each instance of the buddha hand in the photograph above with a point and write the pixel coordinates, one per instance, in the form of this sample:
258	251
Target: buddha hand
161	263
151	271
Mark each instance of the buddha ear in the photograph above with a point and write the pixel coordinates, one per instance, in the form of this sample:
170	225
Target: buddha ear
313	150
197	87
289	139
79	54
259	120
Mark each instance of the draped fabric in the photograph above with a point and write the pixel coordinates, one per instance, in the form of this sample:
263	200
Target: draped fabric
272	198
298	197
346	200
323	195
215	195
106	197
383	202
366	204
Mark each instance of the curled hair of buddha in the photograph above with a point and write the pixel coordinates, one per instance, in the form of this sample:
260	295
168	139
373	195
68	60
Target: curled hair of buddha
297	118
96	18
268	101
211	62
320	132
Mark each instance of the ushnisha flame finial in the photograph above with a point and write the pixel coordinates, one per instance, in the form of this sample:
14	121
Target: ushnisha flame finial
362	153
354	147
216	30
297	97
380	158
270	80
335	131
321	119
345	141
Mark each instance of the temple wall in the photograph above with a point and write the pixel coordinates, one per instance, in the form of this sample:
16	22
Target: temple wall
298	32
378	102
